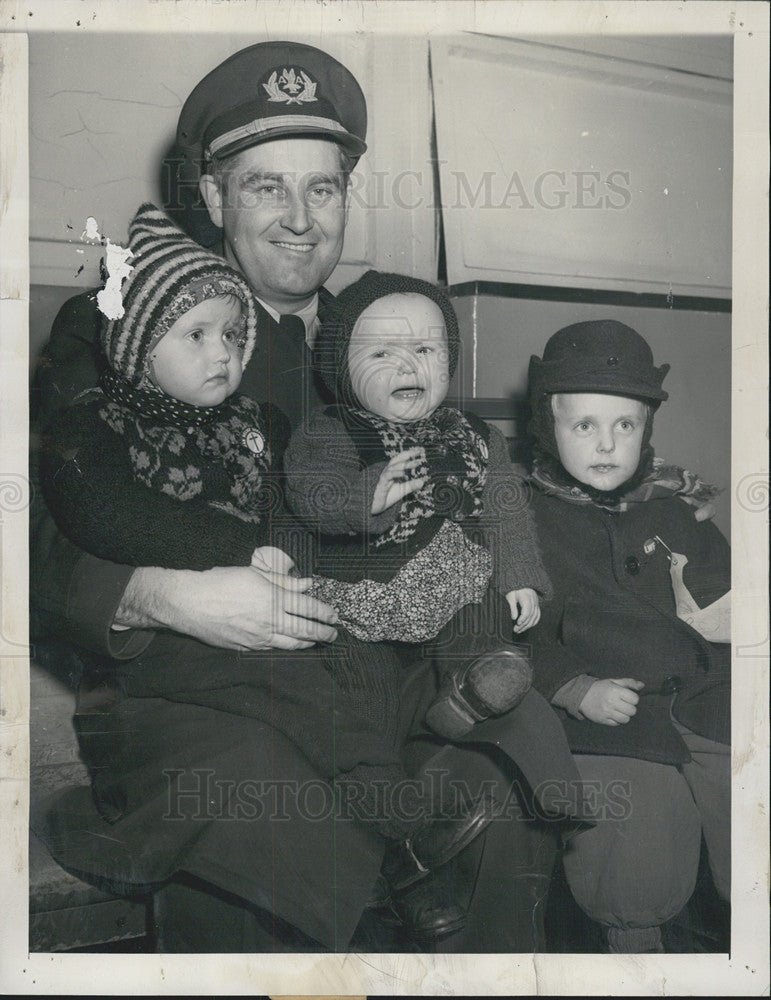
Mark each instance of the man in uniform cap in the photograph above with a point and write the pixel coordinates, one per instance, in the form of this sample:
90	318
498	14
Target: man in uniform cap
272	134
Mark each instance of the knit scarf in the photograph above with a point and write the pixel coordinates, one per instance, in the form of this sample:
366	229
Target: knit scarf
656	479
174	447
455	467
150	402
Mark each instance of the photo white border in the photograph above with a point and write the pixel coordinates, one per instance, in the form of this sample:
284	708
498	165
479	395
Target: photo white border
745	972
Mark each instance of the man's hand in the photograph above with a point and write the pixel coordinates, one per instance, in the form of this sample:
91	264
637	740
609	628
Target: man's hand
235	607
269	559
394	483
611	702
525	609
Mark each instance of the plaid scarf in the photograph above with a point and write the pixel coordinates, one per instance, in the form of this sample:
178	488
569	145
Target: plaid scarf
455	467
657	480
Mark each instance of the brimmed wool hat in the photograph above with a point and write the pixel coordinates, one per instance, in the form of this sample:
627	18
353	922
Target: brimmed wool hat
170	274
331	348
269	91
602	356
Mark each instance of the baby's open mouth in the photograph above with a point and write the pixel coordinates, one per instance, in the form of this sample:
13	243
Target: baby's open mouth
408	392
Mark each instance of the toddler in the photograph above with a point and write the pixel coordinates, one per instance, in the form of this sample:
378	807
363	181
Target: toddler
416	503
165	464
633	648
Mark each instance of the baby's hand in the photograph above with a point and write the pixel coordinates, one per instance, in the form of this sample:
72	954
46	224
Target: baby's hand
611	702
269	559
394	483
525	610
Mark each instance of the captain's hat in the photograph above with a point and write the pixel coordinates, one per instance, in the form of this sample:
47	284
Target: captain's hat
273	90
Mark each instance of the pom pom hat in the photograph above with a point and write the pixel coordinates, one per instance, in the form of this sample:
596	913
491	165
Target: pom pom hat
170	274
331	349
268	91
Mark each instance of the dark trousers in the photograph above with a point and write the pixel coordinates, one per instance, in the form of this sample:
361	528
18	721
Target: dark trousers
503	878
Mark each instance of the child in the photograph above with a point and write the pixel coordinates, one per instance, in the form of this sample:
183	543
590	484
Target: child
166	465
417	503
165	440
645	696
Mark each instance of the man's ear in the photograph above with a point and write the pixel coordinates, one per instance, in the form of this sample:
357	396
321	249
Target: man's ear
212	196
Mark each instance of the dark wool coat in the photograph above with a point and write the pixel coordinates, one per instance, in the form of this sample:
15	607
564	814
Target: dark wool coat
613	616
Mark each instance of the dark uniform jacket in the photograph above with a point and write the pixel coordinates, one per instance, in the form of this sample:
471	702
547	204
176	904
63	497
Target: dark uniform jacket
613	616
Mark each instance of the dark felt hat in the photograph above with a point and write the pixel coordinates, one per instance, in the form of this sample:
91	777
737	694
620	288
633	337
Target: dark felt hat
602	356
273	90
331	348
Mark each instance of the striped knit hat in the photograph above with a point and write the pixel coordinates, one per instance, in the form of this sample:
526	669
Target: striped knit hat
170	274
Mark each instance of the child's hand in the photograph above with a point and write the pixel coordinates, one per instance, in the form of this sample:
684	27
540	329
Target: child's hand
394	483
525	609
269	559
611	702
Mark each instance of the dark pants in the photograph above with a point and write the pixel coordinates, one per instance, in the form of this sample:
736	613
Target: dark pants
503	878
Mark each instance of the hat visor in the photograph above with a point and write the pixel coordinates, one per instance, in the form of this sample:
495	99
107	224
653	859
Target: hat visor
610	385
350	143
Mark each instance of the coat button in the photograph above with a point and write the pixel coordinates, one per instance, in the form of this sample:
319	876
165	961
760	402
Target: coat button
672	684
632	565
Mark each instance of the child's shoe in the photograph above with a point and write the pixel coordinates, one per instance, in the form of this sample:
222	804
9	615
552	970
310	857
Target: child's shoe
489	686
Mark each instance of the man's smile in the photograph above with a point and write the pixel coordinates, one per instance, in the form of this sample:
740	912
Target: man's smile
296	247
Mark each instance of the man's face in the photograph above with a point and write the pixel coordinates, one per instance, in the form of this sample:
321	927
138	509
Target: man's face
283	208
599	437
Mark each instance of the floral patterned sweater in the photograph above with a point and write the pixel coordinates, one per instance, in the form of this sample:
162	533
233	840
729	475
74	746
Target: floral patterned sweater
134	490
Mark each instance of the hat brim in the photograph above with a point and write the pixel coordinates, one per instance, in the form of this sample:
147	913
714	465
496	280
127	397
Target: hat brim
544	379
351	143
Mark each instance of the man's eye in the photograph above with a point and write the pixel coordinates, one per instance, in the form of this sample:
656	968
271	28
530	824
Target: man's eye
424	349
320	194
266	189
583	426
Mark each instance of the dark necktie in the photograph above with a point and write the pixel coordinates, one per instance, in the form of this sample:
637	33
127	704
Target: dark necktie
292	326
288	361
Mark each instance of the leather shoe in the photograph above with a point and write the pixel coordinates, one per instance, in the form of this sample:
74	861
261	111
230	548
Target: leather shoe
437	842
489	686
427	913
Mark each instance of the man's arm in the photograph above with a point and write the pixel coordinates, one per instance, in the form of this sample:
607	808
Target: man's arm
72	594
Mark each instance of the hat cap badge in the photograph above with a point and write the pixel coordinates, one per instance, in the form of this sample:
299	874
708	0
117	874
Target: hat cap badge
292	87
